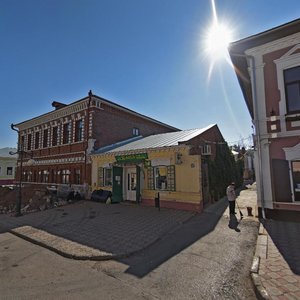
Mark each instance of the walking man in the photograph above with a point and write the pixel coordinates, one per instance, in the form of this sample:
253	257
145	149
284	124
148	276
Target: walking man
231	196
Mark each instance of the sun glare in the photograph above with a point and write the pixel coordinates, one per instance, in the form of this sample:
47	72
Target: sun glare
217	40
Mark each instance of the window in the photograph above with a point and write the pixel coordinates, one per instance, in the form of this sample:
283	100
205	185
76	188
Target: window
77	176
45	176
135	131
67	133
161	178
292	89
21	147
107	176
65	176
29	138
45	138
54	136
37	140
9	171
28	176
100	176
78	131
131	181
296	178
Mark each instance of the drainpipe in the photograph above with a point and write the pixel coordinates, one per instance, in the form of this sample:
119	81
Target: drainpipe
87	136
258	138
257	127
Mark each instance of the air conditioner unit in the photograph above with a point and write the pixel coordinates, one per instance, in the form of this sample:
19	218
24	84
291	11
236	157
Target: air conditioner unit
206	150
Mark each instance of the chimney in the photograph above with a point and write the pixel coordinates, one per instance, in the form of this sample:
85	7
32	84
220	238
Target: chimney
58	105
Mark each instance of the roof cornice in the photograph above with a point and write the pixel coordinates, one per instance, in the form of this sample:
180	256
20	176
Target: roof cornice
78	106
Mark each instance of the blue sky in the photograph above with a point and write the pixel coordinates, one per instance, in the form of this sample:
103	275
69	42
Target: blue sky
146	55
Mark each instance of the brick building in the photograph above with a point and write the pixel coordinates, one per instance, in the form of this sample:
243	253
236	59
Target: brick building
172	166
57	144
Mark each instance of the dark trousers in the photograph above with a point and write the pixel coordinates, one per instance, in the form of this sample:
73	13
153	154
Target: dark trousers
231	207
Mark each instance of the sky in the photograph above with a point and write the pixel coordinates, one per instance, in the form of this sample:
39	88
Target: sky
147	55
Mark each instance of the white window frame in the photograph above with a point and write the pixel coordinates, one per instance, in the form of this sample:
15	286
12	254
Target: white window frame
287	61
10	169
106	177
292	154
135	131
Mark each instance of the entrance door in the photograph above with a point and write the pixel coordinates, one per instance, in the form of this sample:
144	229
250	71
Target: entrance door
131	184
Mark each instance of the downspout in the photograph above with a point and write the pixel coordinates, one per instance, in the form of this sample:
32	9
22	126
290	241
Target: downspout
87	126
257	127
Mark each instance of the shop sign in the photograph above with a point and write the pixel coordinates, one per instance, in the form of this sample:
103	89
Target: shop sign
137	157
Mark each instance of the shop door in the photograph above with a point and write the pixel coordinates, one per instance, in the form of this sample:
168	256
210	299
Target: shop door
131	183
117	188
138	184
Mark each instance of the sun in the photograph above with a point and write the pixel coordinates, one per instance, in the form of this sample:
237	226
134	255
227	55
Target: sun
217	38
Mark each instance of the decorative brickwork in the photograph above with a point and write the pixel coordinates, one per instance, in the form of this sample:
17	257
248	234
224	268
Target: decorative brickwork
62	139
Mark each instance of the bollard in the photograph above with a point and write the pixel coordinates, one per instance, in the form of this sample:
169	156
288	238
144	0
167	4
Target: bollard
157	201
249	210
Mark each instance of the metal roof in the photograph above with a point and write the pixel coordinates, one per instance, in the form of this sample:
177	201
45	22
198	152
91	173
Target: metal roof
158	140
4	152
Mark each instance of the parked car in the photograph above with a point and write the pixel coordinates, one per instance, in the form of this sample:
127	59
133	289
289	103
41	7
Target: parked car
101	195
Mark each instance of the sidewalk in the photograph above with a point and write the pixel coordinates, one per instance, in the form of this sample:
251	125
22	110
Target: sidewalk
276	265
94	231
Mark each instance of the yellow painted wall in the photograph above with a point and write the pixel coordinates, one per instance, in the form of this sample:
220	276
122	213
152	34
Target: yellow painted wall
187	174
187	177
97	162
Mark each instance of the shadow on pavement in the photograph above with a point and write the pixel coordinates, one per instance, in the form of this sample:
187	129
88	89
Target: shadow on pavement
172	244
286	237
121	229
234	223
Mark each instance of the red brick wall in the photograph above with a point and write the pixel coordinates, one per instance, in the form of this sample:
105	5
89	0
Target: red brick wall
212	136
271	86
277	145
175	205
112	125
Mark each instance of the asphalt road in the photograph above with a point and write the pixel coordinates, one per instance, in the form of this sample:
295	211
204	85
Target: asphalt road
216	266
203	259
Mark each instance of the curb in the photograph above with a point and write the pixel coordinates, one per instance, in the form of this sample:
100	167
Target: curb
57	245
60	245
261	249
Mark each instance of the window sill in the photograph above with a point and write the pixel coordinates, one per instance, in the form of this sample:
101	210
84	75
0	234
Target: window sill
292	117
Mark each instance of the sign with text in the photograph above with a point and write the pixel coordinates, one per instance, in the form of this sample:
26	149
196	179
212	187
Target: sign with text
137	157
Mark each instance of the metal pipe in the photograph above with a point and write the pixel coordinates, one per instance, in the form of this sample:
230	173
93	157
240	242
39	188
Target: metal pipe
20	154
257	127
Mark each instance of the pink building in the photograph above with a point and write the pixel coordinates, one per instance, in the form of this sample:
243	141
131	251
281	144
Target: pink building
268	70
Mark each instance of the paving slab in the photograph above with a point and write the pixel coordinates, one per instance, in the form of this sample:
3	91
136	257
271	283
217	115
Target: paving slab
277	275
88	230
